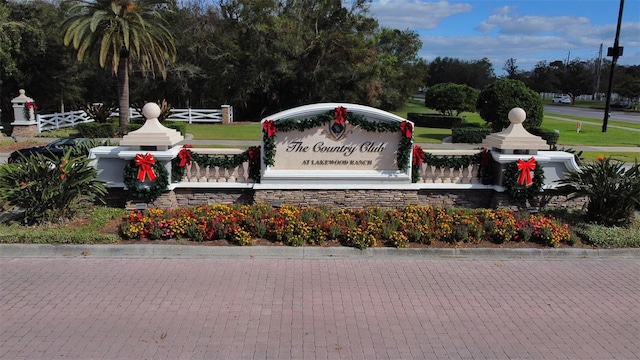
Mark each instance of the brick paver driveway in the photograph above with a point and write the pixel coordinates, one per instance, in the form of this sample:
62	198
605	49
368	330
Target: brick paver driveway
56	308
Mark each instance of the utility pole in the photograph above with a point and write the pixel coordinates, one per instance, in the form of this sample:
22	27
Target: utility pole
615	52
598	71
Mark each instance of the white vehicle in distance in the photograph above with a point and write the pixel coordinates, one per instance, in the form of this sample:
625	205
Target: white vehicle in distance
562	99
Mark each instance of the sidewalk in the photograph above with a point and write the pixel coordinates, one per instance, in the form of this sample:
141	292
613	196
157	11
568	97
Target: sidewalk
256	308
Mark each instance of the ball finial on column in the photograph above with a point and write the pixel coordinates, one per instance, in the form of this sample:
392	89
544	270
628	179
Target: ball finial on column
151	110
517	115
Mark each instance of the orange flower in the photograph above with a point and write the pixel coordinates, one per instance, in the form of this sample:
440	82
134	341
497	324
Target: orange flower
23	185
600	157
62	176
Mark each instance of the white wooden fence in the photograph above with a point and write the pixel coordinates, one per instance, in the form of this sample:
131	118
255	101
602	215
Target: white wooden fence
72	118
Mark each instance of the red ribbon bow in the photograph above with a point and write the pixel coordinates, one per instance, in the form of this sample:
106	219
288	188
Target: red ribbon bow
270	127
485	157
418	155
31	104
144	163
525	168
406	128
185	156
340	114
254	153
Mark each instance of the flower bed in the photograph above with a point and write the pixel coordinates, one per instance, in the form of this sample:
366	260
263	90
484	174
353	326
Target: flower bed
360	228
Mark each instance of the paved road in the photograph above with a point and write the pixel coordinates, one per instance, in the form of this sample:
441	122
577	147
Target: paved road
596	114
243	308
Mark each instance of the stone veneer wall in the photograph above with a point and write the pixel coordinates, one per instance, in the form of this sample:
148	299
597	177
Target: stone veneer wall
24	131
339	198
184	197
461	198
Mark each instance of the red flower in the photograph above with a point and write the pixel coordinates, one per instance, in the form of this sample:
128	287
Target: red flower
340	114
144	163
269	127
406	128
525	168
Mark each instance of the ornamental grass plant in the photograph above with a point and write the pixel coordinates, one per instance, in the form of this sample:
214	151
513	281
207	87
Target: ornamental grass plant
50	189
613	191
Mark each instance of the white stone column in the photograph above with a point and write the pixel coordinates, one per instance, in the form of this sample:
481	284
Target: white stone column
24	126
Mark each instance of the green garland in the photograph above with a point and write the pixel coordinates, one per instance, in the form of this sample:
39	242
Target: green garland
441	161
223	161
521	192
177	172
286	125
148	194
456	162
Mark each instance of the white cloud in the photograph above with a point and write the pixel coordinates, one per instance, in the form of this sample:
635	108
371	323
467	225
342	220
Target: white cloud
415	14
506	34
507	21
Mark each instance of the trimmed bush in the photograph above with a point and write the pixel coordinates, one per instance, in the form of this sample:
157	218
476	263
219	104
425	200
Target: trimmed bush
469	133
177	125
550	136
95	130
434	120
495	102
451	99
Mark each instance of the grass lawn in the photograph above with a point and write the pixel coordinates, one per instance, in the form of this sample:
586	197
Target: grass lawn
237	131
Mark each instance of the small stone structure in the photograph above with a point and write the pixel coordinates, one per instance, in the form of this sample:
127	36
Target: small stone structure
24	126
152	138
515	143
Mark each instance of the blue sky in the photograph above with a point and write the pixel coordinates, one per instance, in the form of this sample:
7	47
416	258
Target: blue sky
526	30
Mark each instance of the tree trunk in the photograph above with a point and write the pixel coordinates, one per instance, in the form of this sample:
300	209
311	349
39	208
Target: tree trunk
123	93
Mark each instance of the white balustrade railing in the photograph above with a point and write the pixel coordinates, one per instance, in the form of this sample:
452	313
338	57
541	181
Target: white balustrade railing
197	173
430	174
427	174
207	174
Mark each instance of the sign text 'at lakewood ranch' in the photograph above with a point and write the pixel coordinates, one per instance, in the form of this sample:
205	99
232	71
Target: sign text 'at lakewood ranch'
336	143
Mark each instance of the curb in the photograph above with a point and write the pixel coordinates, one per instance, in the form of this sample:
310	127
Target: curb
284	252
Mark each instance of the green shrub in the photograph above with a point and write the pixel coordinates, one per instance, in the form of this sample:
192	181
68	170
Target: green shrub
610	237
133	127
49	189
451	99
495	102
177	125
434	120
550	136
469	133
613	191
95	130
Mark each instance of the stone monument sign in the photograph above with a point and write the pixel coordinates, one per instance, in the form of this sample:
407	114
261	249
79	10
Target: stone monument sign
336	143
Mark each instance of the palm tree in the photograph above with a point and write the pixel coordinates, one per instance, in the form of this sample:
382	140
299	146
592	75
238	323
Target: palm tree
121	32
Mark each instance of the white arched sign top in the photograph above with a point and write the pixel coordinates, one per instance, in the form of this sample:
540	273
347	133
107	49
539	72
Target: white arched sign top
323	158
